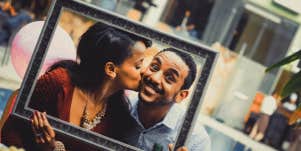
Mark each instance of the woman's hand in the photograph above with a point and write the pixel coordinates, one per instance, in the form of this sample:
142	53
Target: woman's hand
44	133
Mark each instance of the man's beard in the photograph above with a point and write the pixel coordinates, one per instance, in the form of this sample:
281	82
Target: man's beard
156	103
147	82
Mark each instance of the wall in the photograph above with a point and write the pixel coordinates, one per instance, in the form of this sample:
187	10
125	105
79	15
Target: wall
296	44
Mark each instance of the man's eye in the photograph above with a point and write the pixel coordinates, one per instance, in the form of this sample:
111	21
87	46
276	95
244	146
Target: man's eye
170	78
154	67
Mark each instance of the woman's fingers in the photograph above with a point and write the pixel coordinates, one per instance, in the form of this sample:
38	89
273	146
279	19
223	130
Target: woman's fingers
35	121
44	133
36	129
38	135
48	127
40	120
49	132
38	126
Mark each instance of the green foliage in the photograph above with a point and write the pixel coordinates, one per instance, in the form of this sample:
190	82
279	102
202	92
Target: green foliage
285	61
294	84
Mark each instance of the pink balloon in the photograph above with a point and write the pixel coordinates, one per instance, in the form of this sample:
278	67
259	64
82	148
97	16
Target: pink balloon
61	47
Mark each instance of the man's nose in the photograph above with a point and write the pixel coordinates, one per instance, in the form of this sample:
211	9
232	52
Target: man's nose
156	77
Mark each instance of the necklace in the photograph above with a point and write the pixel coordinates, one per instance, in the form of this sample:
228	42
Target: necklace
89	124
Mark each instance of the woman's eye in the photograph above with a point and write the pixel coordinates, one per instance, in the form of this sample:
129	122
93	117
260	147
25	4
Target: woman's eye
138	67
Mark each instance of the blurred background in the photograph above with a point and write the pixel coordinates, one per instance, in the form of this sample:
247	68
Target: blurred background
250	35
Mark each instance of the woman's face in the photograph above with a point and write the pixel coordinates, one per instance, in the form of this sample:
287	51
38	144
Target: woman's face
129	71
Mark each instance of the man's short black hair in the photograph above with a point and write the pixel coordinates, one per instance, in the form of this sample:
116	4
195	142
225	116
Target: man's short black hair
189	61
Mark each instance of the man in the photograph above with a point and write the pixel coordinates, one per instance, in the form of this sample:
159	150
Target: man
13	15
157	115
267	108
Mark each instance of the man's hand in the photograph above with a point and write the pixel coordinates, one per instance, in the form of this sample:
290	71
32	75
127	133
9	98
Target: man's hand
190	27
6	6
183	148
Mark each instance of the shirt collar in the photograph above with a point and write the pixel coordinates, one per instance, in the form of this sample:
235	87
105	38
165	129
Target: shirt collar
174	116
171	120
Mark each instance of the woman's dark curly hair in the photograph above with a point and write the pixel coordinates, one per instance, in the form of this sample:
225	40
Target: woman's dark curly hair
97	46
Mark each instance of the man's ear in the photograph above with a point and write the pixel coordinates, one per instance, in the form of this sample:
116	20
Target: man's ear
111	70
181	95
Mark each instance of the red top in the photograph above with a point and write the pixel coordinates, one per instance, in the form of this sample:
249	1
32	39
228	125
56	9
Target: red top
53	94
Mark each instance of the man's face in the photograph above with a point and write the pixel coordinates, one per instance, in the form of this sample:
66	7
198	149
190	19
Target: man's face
162	80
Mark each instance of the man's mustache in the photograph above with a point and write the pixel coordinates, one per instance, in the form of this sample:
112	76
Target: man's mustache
153	85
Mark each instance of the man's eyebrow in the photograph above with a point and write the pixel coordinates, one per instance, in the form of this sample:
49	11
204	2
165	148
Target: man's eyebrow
158	60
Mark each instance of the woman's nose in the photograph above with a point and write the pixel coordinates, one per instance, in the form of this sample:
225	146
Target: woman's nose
143	68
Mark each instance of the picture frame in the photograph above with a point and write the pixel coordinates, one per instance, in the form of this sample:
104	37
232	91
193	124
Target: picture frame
22	111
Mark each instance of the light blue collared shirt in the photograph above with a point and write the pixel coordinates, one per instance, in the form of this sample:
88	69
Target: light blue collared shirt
165	132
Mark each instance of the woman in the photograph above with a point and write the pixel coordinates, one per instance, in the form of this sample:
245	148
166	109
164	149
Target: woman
88	94
267	108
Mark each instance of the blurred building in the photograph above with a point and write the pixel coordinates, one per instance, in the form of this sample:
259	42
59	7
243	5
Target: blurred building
249	34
